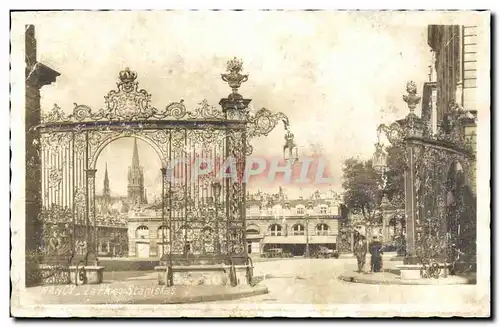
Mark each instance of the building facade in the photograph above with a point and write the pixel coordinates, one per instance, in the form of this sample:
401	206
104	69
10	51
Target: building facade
111	222
454	99
274	221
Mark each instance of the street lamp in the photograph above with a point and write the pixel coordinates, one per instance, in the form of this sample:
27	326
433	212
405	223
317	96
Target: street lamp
379	162
379	158
290	151
308	215
216	190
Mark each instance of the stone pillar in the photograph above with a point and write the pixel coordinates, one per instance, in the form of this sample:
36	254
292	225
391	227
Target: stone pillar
410	206
235	109
36	76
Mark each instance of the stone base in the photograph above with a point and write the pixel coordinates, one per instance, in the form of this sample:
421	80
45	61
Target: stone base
202	275
54	274
242	275
93	274
409	272
412	272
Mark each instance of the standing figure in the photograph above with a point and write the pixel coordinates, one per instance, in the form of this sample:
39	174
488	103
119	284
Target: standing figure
376	254
360	251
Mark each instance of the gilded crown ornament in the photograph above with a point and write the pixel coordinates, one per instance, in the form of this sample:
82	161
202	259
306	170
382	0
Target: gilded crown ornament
127	76
127	80
411	99
234	78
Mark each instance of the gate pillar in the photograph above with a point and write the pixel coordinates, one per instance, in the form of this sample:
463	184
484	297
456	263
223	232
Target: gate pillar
37	75
410	205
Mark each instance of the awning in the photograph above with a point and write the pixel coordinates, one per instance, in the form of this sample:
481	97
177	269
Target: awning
300	239
253	237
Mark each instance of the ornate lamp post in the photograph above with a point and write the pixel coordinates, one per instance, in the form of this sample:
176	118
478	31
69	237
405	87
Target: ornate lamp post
308	216
216	191
380	161
290	152
380	165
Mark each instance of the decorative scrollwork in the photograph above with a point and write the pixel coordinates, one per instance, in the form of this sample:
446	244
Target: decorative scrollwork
206	111
431	270
176	109
55	178
129	103
264	121
54	115
394	132
161	136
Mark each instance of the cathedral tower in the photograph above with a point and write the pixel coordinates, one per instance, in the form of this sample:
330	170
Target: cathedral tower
106	192
136	192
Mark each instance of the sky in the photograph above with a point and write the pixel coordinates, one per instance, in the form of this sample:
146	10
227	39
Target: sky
336	75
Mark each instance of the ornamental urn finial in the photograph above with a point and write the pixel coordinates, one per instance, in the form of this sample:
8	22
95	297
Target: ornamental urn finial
234	78
411	99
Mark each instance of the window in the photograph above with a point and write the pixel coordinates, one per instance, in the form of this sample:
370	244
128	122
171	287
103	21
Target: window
253	230
323	210
275	230
298	229
142	232
322	230
163	232
300	211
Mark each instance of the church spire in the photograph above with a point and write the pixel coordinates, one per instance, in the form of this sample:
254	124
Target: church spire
106	191
135	155
135	179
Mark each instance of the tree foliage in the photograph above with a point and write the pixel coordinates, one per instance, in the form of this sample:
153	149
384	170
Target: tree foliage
394	188
362	188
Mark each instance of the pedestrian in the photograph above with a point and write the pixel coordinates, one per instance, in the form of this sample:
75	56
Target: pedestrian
360	250
376	255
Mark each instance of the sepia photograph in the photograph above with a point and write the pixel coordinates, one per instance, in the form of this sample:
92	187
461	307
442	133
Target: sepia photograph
250	163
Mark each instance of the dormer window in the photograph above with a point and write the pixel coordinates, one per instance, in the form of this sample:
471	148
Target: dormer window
300	211
323	210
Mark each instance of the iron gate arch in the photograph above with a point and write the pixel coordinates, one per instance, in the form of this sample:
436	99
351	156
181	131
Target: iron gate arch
431	228
70	146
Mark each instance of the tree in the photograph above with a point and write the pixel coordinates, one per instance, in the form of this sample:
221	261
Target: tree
362	189
395	182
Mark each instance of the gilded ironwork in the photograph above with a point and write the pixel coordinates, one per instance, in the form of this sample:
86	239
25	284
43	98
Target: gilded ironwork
196	222
439	207
234	78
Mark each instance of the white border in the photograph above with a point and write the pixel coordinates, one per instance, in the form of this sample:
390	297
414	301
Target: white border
353	4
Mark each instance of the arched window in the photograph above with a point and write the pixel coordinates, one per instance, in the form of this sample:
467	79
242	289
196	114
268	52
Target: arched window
298	229
142	232
162	232
253	230
301	210
322	230
275	230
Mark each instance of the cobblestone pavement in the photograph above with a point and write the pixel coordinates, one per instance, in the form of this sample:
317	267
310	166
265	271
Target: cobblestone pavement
315	281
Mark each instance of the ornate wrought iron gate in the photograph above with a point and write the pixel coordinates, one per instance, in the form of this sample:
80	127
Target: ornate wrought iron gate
203	215
440	204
